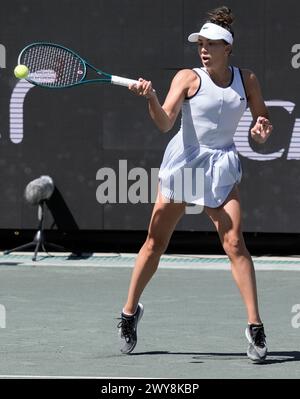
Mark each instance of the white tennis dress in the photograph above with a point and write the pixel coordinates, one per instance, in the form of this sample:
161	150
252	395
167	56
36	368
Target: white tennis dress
201	164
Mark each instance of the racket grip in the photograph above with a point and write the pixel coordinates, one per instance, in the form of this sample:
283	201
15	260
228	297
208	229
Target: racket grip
118	80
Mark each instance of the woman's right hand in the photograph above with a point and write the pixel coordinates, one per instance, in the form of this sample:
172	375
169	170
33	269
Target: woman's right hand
143	88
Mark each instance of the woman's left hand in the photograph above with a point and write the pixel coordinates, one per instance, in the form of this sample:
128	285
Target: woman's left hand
261	130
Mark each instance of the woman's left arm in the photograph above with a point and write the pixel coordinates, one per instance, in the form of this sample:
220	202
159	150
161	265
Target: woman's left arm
263	127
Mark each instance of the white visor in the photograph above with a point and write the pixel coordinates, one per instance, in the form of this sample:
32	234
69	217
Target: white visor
213	32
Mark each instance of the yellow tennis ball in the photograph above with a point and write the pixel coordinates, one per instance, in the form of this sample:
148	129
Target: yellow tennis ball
21	71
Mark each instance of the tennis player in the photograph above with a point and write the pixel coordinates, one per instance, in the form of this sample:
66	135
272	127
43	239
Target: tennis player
212	99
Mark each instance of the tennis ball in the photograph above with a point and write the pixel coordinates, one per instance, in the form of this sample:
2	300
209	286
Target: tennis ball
21	71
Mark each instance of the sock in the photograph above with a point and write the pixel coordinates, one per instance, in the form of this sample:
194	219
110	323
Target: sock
127	314
256	325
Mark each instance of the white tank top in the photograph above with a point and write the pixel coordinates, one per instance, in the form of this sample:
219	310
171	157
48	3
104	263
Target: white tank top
211	116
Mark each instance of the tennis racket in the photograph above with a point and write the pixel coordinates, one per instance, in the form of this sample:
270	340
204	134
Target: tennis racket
56	67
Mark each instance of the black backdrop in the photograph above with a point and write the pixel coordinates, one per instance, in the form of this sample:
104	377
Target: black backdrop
73	133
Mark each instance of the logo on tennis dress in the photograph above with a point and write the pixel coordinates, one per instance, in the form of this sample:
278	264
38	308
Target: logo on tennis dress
242	99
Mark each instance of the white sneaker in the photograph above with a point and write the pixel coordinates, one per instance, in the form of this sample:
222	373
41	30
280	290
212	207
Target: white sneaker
257	349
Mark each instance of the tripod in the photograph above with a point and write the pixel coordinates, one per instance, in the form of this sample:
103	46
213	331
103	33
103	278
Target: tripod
38	240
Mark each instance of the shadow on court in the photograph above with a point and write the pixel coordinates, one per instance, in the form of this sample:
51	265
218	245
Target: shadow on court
9	263
273	357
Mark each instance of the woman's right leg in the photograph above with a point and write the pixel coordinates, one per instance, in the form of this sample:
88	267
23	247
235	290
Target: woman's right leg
163	221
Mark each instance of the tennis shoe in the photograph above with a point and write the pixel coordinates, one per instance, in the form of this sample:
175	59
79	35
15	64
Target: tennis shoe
257	349
128	329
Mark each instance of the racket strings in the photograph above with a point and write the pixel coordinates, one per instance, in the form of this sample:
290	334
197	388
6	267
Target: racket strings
53	66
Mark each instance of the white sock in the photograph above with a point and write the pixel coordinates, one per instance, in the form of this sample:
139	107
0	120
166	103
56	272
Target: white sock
127	314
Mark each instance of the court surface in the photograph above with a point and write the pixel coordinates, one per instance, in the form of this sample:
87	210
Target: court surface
58	318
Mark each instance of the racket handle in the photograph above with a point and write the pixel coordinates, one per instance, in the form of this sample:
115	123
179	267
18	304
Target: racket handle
118	80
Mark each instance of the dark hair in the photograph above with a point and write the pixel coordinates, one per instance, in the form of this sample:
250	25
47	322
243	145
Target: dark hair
222	16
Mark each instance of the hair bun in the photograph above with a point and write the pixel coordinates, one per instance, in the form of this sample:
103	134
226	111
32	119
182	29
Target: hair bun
221	16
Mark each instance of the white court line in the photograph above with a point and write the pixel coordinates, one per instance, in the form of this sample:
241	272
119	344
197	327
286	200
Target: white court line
43	262
293	258
198	267
100	255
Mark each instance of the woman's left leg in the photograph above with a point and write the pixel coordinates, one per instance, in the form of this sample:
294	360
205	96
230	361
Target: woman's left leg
227	220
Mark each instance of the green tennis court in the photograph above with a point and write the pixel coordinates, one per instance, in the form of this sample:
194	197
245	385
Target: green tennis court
59	317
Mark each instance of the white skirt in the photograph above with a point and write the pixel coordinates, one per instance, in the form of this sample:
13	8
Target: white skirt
199	174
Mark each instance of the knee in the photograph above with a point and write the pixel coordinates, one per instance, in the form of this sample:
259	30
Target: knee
155	245
234	245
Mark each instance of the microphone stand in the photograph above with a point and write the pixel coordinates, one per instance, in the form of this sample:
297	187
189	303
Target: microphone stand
38	240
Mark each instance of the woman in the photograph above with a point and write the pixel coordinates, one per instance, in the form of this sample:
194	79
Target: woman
212	100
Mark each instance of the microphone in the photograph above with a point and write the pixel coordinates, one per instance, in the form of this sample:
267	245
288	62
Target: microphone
39	190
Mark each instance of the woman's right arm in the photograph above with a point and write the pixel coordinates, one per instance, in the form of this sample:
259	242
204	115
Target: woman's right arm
164	116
